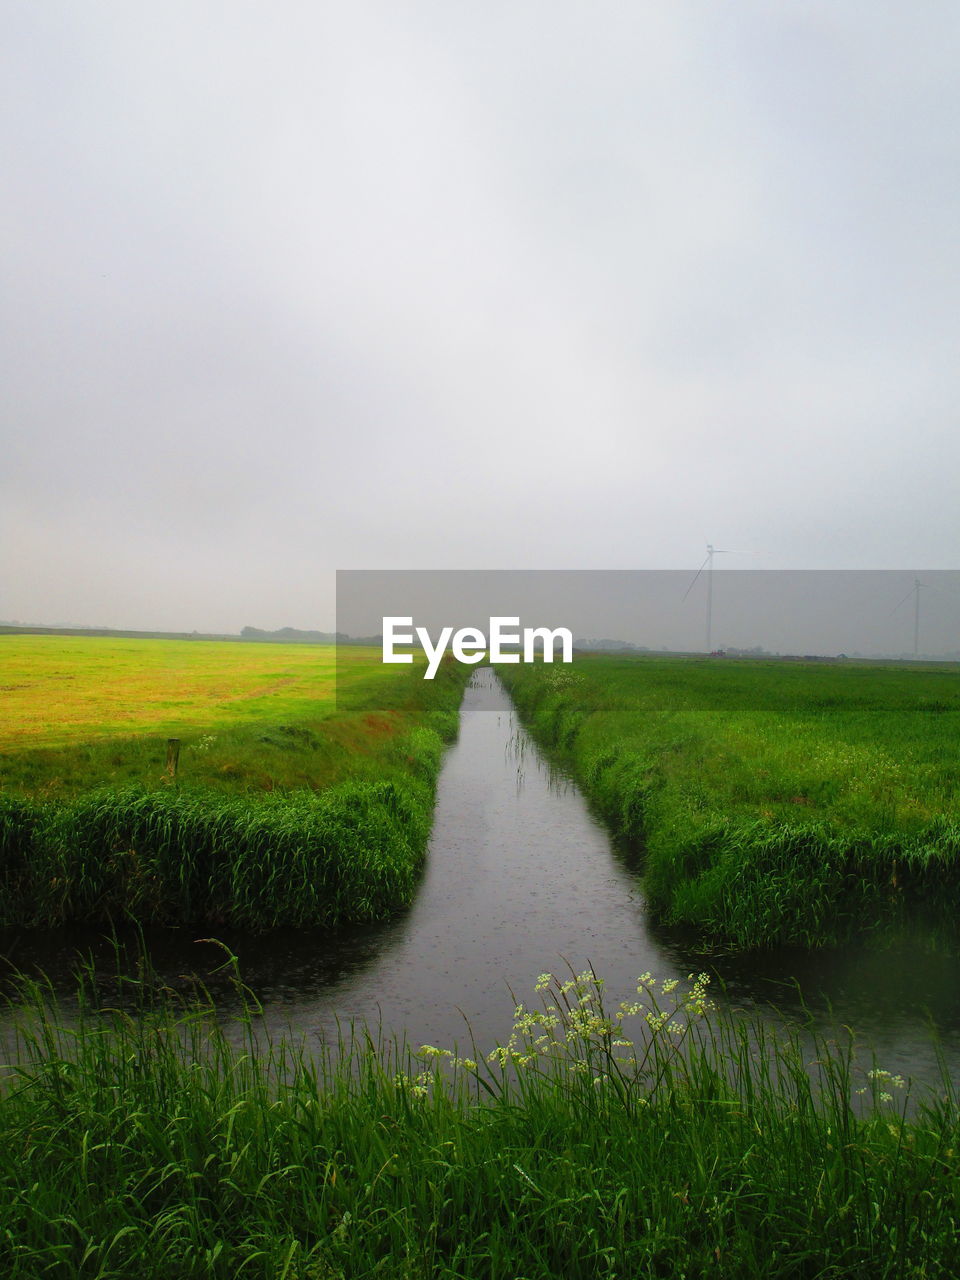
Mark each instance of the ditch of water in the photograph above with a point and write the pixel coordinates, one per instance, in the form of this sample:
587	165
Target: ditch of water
522	879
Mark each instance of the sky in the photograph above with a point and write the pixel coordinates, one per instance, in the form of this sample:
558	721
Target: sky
301	287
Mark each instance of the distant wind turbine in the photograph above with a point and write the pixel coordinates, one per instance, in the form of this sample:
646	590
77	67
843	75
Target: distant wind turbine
915	592
708	564
917	584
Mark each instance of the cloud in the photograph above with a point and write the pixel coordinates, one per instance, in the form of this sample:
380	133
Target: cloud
322	287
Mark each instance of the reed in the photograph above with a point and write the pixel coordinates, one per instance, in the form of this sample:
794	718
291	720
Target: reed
179	855
662	1138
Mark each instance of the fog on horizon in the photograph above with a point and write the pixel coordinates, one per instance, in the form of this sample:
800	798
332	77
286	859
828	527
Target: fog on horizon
796	612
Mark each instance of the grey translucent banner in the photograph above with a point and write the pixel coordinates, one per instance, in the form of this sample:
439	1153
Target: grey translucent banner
823	615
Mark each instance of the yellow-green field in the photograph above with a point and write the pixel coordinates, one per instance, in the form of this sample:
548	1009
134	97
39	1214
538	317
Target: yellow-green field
78	712
56	690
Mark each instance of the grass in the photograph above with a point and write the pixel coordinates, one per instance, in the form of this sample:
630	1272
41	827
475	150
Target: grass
775	803
62	689
290	807
179	857
659	1139
78	712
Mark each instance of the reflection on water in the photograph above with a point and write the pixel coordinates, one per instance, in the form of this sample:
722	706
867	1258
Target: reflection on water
521	879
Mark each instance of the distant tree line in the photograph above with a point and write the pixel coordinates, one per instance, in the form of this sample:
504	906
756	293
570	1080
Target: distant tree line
293	635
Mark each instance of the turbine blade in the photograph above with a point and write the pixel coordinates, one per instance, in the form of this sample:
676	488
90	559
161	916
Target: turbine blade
695	577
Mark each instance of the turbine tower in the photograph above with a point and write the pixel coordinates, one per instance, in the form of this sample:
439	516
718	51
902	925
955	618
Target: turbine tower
917	584
914	591
708	564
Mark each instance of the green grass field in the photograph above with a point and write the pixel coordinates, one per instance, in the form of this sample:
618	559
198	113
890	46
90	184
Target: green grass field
303	794
775	802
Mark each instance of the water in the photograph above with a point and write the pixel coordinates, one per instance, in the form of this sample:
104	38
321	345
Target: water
521	879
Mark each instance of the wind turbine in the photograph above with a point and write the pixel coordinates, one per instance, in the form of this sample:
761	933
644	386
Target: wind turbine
917	584
708	564
915	592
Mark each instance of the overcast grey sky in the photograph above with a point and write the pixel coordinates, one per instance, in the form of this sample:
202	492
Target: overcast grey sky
295	287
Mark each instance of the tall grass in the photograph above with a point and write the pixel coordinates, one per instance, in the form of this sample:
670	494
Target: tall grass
180	855
773	804
188	853
658	1139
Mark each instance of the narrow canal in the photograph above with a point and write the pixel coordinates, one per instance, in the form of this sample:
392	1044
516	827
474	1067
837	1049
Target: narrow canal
521	879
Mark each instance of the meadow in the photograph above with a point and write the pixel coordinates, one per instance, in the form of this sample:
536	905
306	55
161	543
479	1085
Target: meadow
77	712
661	1138
773	802
148	1134
303	792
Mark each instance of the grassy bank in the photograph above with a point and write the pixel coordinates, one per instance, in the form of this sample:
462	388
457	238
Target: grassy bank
659	1139
774	802
289	806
